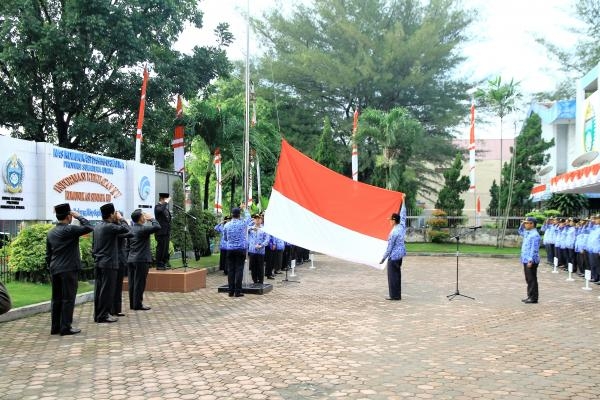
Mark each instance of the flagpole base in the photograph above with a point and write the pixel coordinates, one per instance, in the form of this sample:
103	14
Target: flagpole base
249	288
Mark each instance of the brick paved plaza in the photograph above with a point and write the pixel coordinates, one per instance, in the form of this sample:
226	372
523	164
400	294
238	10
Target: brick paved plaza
331	336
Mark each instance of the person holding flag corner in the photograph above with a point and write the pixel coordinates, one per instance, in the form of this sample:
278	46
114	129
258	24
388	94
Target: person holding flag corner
394	253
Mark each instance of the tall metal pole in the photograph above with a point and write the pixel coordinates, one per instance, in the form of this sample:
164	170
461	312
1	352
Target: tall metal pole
247	110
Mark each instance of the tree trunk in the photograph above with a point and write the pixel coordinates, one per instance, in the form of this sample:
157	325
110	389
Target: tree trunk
206	189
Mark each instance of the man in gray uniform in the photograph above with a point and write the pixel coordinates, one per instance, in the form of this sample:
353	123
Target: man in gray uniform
140	257
64	262
116	308
106	256
5	302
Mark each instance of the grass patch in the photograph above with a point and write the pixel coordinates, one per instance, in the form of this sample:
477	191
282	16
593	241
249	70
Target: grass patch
26	293
464	248
203	262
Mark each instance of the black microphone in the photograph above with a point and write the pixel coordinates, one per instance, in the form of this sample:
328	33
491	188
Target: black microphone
474	227
183	209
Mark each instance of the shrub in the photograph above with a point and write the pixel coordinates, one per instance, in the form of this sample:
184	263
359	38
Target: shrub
437	236
551	213
171	247
27	255
439	219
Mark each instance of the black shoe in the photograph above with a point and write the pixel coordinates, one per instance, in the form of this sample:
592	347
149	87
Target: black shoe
119	314
230	294
161	269
393	298
239	295
54	332
277	272
270	277
525	300
144	308
530	301
108	320
72	331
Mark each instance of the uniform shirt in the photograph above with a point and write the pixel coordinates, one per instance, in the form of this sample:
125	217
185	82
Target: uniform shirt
235	232
276	243
105	248
139	244
570	234
257	240
582	234
222	242
62	246
593	241
122	243
163	216
530	249
395	247
559	237
550	234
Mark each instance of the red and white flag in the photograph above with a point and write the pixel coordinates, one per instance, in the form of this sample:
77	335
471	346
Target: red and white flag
354	147
178	143
316	208
219	188
472	150
250	182
140	122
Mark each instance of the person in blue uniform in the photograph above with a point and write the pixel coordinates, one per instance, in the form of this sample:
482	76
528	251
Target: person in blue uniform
139	257
63	258
394	253
530	257
163	236
222	245
235	233
257	241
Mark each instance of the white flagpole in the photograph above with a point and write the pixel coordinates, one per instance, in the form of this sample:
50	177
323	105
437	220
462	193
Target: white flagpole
218	190
258	194
354	147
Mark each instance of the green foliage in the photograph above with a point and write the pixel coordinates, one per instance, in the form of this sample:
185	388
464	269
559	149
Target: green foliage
326	153
551	213
568	204
492	209
439	219
72	71
27	256
454	184
438	236
178	222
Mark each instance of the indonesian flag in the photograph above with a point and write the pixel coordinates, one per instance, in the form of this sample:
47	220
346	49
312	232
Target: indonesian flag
316	208
250	179
178	144
140	122
354	147
219	188
258	192
478	211
472	150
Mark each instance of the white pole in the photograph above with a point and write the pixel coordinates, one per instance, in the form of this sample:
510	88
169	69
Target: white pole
570	278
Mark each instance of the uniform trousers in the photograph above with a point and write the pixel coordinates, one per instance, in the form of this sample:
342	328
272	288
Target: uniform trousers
531	279
162	251
594	260
235	270
64	290
583	262
549	252
118	297
223	260
137	275
257	267
104	292
394	273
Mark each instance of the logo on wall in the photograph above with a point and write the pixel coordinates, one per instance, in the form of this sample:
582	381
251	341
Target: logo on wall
13	175
589	127
144	188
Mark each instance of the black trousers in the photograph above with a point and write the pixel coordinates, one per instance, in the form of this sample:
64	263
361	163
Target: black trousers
584	262
257	267
138	273
594	261
549	252
104	292
394	273
223	260
162	251
235	270
531	279
64	290
118	297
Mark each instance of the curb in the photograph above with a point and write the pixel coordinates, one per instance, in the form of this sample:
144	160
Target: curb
44	307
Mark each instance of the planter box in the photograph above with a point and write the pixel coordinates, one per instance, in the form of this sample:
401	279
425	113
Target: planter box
174	280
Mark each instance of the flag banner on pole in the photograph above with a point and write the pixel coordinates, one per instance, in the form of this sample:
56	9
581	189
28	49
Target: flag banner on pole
354	147
316	208
218	190
250	179
478	211
140	122
472	150
258	192
178	142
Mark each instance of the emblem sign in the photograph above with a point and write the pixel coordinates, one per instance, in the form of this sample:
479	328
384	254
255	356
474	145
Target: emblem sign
13	175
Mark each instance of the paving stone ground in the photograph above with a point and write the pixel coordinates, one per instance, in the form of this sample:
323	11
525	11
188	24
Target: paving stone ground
331	336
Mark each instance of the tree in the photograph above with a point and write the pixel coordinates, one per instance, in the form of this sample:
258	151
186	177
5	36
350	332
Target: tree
70	71
569	204
198	239
391	137
326	153
492	209
529	155
332	56
454	184
178	221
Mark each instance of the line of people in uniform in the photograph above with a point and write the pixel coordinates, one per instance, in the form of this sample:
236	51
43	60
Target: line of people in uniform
116	247
575	241
267	254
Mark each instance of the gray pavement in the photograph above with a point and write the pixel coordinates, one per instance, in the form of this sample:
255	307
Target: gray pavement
333	335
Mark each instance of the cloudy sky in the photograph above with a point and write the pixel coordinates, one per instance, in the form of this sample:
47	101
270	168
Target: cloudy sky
503	38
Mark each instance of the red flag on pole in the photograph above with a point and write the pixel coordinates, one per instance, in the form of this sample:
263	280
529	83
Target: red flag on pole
472	150
354	147
178	143
140	123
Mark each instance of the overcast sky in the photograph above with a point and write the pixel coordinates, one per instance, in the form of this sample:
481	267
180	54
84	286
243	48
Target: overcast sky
503	39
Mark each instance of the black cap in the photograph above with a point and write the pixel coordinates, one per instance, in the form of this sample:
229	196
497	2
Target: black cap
136	215
163	195
106	210
395	217
62	210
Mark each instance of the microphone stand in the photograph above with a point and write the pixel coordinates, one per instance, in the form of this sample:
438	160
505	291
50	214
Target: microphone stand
457	292
185	228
